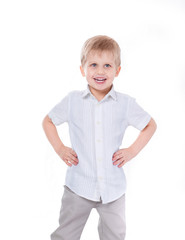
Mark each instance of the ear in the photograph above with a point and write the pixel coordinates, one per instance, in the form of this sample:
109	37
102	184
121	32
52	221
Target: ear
118	71
82	71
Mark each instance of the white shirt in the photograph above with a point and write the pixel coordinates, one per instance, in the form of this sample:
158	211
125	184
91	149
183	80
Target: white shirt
96	131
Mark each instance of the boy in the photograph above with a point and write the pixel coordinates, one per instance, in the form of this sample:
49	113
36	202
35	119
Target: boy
97	118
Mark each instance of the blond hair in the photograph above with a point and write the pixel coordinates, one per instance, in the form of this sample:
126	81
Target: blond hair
101	43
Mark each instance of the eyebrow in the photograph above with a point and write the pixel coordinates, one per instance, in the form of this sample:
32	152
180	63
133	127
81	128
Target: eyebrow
111	63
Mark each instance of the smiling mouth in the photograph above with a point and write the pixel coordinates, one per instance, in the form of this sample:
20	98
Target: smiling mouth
100	79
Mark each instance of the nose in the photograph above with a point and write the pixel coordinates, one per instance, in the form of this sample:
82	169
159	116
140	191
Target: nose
100	71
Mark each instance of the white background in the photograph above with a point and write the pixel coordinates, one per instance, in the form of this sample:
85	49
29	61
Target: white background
40	47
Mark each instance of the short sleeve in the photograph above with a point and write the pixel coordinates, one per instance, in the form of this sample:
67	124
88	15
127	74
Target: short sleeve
137	116
59	113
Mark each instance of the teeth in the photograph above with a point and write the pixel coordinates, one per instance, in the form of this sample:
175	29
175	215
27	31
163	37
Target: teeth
100	80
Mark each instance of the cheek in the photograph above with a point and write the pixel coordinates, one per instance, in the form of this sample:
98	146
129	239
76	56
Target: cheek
90	73
88	76
112	74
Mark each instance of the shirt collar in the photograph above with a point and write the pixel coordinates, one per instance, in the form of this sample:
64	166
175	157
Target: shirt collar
111	93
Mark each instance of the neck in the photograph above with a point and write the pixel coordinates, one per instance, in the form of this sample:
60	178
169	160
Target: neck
99	95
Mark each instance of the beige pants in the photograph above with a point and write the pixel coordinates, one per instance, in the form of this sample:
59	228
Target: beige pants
75	211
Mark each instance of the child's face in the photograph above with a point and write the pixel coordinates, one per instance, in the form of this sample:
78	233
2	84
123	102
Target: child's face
100	70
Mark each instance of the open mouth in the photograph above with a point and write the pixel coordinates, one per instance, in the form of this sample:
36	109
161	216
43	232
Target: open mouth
100	80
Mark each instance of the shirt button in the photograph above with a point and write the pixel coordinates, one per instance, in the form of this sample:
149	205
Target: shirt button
100	178
98	122
98	140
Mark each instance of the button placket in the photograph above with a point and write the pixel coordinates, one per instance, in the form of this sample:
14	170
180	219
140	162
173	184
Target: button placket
99	144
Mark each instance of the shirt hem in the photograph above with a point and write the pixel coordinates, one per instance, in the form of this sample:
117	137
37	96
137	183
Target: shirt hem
92	199
81	195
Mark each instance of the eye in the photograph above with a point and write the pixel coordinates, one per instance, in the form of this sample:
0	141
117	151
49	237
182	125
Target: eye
107	65
93	65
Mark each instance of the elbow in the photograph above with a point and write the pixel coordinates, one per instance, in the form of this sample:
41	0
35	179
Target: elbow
153	124
45	121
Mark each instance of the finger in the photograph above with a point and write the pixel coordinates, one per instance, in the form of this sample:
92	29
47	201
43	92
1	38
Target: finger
118	161
115	161
117	157
117	153
72	162
74	159
73	153
70	158
68	163
74	156
121	165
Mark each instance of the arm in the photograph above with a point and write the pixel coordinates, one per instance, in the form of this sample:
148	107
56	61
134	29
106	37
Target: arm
124	155
67	154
